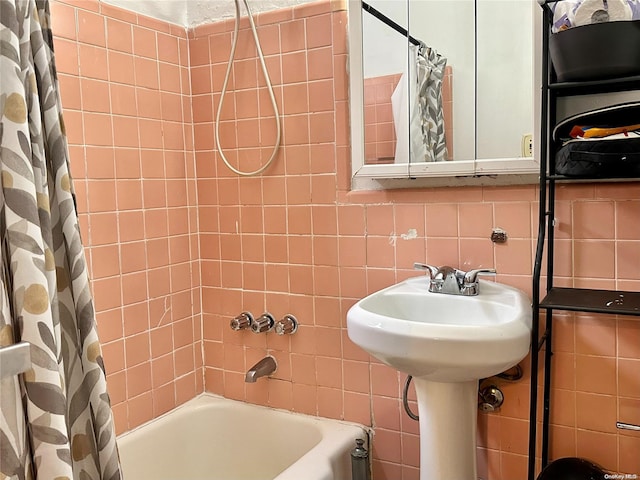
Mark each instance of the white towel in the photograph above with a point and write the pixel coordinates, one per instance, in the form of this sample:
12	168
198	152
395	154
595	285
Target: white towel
575	13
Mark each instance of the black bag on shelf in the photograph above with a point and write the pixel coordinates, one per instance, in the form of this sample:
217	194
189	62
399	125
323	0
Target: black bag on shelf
615	156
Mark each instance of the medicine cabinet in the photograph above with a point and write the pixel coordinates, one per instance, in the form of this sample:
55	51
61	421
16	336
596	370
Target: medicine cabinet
489	91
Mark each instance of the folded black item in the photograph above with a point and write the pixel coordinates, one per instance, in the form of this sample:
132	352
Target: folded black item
600	158
616	156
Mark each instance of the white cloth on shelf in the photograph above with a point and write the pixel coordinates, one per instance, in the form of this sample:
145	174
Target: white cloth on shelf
575	13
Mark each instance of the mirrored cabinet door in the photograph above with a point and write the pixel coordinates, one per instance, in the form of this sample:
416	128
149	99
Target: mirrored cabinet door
444	108
504	106
384	59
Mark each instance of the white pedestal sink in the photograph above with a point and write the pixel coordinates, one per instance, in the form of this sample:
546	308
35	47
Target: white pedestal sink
447	343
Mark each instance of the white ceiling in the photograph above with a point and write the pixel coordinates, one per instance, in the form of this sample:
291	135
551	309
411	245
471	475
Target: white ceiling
190	13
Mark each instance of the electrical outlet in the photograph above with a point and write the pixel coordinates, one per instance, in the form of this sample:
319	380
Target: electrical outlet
527	145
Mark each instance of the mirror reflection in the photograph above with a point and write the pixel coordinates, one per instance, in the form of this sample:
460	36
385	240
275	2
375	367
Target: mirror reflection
447	80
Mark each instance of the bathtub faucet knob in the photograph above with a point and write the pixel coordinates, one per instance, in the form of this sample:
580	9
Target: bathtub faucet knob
242	321
287	324
264	323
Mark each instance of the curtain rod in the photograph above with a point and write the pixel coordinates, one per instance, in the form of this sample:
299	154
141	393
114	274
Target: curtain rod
382	17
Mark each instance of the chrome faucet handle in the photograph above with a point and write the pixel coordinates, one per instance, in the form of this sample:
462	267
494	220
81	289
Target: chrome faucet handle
287	325
264	323
433	271
472	275
242	321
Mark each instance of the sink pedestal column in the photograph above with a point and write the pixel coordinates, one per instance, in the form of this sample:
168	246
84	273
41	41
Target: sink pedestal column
448	422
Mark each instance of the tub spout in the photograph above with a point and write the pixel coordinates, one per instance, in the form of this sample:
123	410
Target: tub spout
263	368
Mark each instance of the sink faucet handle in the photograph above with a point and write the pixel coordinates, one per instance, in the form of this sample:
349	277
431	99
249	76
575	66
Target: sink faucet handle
472	275
433	271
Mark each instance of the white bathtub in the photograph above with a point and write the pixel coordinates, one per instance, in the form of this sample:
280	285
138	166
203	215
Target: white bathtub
212	438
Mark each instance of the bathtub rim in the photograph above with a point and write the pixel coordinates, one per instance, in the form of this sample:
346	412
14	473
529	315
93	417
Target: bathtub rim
201	398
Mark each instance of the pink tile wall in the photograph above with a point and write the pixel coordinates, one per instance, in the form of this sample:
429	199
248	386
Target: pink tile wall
125	89
379	130
296	240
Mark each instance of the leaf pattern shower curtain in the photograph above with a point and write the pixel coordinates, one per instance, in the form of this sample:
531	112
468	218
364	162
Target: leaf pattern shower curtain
55	420
430	73
418	112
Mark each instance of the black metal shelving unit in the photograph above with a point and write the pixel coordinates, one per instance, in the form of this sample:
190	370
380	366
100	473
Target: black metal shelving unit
568	299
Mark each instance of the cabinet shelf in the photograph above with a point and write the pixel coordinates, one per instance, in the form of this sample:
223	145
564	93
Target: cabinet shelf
614	302
608	85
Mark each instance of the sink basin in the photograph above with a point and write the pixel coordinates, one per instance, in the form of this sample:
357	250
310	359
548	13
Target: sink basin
447	343
444	338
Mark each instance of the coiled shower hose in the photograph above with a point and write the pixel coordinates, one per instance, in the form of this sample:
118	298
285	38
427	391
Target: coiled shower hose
269	88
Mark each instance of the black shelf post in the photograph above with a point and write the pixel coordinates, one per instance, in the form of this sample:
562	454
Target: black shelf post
561	298
544	221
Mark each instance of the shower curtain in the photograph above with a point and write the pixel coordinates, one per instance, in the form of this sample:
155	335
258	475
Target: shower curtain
418	108
55	420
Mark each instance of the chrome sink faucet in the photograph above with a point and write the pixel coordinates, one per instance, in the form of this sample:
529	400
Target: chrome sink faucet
451	281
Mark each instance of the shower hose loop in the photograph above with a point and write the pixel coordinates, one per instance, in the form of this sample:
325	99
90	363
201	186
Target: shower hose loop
224	91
